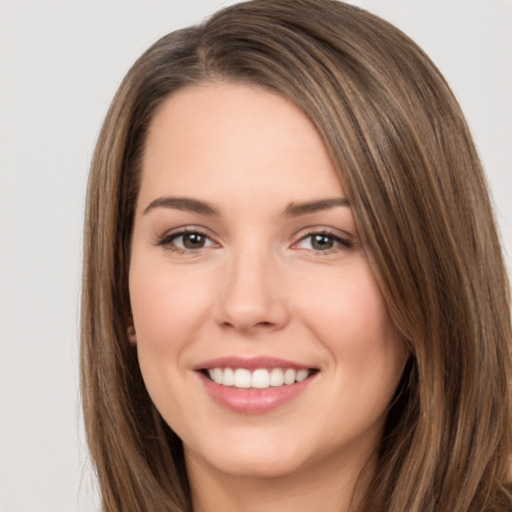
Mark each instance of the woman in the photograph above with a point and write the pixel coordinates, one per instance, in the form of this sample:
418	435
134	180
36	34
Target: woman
293	290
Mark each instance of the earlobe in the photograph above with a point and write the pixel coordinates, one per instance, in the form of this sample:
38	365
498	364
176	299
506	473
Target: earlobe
132	335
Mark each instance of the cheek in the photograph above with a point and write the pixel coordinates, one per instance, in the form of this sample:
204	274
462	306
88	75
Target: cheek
167	307
349	315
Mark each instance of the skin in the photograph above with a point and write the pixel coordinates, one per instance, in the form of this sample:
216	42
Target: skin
259	286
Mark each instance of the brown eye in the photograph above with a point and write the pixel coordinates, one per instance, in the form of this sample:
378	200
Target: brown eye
322	242
193	241
187	241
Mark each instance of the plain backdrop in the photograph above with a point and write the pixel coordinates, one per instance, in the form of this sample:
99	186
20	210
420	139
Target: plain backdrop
60	64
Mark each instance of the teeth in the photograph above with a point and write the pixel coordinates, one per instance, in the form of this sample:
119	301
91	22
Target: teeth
289	376
242	378
217	375
228	378
302	375
276	377
260	379
257	379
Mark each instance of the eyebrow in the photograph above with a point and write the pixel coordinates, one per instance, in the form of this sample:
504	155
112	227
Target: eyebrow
183	203
204	208
307	207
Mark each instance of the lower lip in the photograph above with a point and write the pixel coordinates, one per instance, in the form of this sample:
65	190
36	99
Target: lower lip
254	401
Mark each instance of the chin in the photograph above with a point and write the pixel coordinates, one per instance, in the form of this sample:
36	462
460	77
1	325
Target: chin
255	461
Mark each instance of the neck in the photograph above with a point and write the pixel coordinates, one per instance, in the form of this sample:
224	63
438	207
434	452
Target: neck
325	488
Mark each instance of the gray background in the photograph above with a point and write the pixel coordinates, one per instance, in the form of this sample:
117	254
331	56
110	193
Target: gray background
60	64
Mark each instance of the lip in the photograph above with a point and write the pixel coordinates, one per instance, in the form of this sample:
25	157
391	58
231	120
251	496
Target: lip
252	363
252	401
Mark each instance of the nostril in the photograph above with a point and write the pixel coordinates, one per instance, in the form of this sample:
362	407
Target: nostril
264	324
256	325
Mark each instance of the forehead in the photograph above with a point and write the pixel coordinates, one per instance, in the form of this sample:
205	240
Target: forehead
222	139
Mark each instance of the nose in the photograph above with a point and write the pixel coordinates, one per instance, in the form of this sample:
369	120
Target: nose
253	298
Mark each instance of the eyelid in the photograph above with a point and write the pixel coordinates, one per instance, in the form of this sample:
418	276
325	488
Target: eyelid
344	239
167	238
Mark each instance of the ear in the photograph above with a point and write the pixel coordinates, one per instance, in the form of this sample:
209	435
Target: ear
132	335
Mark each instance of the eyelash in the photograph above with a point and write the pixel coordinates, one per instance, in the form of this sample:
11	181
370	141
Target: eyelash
341	243
167	241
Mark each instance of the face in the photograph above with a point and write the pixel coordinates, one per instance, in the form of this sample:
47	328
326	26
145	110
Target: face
262	336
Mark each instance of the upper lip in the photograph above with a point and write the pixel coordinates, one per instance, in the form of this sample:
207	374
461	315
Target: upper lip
250	363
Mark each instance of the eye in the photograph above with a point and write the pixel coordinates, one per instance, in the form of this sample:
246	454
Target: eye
322	242
191	241
187	241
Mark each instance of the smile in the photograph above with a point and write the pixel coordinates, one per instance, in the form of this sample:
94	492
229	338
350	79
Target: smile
254	385
260	378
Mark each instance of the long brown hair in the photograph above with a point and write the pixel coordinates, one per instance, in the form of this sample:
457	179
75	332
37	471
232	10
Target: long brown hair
410	170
